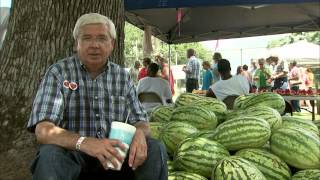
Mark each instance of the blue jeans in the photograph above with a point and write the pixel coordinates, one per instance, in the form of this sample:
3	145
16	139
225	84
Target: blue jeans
295	103
56	163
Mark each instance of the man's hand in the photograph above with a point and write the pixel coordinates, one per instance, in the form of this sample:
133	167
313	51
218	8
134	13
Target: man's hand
103	149
138	149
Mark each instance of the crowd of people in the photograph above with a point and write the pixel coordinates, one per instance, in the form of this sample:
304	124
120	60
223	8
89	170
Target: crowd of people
270	74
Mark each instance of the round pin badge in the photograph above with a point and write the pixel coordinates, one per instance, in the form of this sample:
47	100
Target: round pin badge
73	86
66	84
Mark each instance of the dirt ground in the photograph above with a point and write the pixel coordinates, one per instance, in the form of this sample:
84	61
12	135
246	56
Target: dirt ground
15	161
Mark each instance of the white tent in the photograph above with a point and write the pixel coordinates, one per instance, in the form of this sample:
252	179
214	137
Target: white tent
302	51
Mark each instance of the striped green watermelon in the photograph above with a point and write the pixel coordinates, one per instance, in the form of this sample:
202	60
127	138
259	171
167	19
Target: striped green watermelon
182	175
308	174
289	121
297	147
197	116
175	132
237	168
269	114
170	166
186	99
161	114
155	129
243	132
269	99
239	101
214	105
204	134
198	155
269	164
211	103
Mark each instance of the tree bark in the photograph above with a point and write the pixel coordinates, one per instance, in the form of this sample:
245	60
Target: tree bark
39	34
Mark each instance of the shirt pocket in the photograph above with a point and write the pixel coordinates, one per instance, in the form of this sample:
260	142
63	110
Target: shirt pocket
118	105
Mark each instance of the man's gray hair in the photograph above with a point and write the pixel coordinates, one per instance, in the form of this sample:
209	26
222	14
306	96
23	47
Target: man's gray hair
94	18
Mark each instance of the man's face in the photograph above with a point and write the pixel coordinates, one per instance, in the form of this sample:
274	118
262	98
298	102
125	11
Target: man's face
94	44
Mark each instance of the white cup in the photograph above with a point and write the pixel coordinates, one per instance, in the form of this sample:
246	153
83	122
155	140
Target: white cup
123	132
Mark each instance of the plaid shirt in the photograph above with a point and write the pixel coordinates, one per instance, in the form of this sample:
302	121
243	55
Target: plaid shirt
89	109
193	68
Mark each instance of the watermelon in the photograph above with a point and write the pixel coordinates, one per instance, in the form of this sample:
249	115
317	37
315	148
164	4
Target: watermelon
289	121
297	147
269	114
308	174
175	132
240	100
186	99
161	114
170	166
198	155
235	167
269	99
269	164
197	116
214	105
155	129
182	175
243	132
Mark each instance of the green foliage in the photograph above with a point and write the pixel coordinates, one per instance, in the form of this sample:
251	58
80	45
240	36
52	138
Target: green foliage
313	37
134	48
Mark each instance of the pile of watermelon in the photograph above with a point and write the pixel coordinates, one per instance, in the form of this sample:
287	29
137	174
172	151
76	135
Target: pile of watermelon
253	141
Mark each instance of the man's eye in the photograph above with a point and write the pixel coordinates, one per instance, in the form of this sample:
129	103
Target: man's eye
86	38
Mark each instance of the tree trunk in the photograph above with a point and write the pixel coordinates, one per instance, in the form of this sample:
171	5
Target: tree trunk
39	34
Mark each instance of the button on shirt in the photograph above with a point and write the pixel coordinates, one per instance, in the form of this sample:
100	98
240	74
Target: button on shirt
90	108
193	68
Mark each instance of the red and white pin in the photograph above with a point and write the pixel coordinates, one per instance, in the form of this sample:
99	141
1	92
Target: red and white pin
73	86
70	85
66	84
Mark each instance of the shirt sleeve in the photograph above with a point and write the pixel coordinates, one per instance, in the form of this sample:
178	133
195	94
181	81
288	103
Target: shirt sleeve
48	103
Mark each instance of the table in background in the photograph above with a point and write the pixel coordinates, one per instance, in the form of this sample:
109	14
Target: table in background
311	98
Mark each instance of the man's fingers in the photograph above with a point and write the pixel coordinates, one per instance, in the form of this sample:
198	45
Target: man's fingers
132	155
103	161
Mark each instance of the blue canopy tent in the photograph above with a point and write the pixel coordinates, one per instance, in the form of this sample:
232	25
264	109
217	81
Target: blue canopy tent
202	20
183	21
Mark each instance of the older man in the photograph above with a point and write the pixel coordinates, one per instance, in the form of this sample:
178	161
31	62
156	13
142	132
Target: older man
78	99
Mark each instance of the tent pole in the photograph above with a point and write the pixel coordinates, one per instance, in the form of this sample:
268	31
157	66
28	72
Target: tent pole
169	64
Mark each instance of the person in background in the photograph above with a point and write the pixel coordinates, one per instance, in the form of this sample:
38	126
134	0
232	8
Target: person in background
154	83
215	74
252	71
77	100
294	82
309	84
228	85
192	70
280	74
239	70
207	76
166	72
261	75
134	71
143	72
247	74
